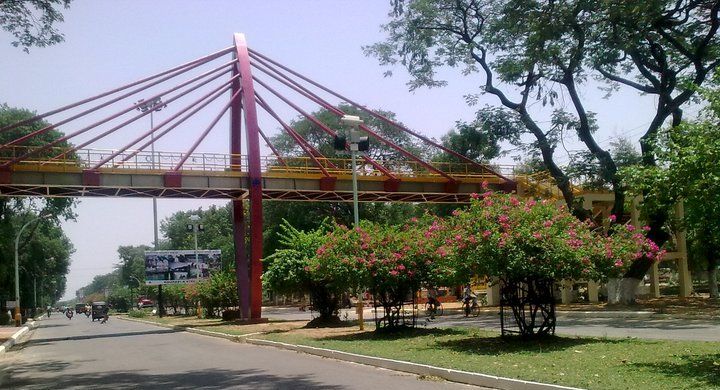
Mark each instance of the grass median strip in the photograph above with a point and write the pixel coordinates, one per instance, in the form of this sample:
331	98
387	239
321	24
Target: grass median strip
593	363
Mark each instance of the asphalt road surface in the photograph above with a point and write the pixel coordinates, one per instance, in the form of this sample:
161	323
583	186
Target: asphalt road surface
81	354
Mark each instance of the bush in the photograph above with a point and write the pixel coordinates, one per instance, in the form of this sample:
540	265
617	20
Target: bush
137	314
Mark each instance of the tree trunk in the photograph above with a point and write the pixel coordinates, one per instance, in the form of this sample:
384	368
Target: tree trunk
712	276
613	291
628	289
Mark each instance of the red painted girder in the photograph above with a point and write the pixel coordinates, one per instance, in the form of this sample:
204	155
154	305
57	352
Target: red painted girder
275	151
254	174
189	65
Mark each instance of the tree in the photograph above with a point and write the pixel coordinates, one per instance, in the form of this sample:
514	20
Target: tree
542	50
45	250
687	171
288	271
32	22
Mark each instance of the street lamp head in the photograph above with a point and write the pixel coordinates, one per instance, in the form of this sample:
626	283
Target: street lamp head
352	120
194	218
155	104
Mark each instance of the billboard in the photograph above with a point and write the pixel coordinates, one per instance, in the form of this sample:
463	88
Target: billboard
179	267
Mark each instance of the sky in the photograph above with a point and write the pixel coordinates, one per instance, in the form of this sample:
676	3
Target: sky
111	43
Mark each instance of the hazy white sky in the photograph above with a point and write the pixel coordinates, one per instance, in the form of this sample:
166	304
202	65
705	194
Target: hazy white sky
110	43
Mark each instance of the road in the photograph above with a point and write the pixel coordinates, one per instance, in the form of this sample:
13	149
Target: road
81	354
576	325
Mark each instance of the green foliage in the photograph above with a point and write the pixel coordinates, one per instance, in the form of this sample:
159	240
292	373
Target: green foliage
32	22
137	313
44	249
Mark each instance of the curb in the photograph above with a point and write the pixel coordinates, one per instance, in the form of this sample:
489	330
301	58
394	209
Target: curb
606	314
466	377
237	338
13	339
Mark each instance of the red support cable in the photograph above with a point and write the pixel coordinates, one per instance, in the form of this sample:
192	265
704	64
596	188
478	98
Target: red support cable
206	132
107	119
270	145
381	117
376	135
307	148
308	94
189	65
65	138
209	98
62	122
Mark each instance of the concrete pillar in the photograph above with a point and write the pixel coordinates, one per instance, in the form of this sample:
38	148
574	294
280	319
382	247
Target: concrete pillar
593	295
682	264
493	292
566	291
655	280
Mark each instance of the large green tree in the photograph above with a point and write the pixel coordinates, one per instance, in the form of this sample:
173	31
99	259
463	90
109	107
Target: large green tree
527	52
32	22
688	171
44	249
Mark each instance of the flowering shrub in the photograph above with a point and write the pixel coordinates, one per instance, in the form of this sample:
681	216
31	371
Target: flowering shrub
293	269
502	235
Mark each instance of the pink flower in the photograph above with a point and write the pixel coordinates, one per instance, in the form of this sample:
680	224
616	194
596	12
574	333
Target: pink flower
486	233
487	194
646	228
413	219
456	212
619	263
458	237
307	269
531	202
320	251
630	228
613	218
547	223
503	218
400	267
474	195
484	184
537	235
394	273
514	201
609	253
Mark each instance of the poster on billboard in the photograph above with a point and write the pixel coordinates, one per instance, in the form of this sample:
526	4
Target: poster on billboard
180	266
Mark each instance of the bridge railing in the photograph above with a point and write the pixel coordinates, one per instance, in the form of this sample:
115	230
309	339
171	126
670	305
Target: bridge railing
54	159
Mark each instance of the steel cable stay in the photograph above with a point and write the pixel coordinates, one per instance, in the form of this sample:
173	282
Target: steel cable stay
256	55
308	94
203	102
111	117
178	69
204	134
306	147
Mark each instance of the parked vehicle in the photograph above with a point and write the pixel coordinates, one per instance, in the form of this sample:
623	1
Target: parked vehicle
144	302
80	308
98	310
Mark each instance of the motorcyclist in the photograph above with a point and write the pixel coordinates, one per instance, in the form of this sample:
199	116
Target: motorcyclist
469	299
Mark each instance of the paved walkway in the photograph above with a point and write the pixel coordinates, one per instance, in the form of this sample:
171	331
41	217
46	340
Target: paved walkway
570	324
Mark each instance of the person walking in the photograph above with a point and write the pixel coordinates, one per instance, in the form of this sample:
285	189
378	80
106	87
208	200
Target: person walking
106	314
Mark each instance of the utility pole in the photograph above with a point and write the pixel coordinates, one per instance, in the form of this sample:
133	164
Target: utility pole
153	106
358	143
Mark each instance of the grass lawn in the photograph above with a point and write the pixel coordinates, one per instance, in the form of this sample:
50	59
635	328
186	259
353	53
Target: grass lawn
593	363
228	327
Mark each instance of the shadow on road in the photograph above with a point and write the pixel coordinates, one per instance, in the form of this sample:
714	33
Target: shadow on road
205	379
96	336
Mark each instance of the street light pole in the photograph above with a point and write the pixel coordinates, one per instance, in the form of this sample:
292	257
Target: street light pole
355	122
18	316
196	227
152	106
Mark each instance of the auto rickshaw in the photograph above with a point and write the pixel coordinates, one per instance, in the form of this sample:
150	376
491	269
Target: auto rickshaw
98	309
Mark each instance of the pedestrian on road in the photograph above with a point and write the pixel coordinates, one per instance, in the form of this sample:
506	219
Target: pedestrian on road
106	314
69	313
